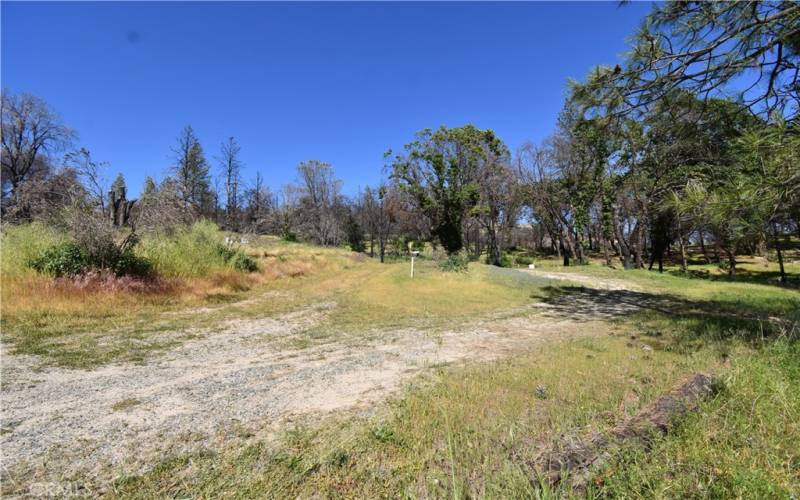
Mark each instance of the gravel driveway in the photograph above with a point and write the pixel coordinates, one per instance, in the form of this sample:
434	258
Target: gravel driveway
226	384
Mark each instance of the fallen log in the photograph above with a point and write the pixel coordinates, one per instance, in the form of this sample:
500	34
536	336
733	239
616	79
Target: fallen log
574	461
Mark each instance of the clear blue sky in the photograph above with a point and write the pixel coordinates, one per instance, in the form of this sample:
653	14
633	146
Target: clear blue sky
339	82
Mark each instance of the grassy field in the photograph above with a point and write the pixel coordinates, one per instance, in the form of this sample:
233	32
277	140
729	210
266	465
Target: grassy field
469	429
83	327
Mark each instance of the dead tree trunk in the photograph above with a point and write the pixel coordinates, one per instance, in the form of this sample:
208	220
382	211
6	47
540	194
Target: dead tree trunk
577	460
119	207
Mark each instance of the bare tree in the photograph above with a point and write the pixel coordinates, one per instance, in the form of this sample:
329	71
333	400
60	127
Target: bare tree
320	201
259	206
30	131
45	194
230	166
160	208
92	174
286	208
369	212
190	171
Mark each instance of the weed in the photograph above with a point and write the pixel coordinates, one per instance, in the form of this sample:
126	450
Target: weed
125	404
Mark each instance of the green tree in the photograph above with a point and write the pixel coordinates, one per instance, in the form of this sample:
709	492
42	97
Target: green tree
706	47
439	171
355	235
149	188
770	158
119	184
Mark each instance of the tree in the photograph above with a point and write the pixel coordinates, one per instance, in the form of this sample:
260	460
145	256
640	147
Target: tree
770	158
355	234
91	173
259	205
191	173
160	208
149	187
387	205
30	131
230	166
45	195
369	212
705	47
497	204
286	211
565	177
119	206
119	183
320	201
439	171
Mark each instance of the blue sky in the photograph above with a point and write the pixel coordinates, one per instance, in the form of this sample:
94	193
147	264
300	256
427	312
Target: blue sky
339	82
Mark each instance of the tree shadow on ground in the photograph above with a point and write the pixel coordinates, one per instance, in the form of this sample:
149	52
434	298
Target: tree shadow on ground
691	319
742	276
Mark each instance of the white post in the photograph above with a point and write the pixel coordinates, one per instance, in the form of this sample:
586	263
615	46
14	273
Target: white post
412	266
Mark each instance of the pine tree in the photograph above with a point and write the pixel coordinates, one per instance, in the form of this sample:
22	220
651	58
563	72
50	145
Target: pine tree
118	186
191	172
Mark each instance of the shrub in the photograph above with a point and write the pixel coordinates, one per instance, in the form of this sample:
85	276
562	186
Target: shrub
68	259
192	251
523	260
130	264
243	262
457	262
225	252
64	259
506	261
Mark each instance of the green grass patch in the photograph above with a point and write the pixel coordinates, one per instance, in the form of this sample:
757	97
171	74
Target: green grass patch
743	444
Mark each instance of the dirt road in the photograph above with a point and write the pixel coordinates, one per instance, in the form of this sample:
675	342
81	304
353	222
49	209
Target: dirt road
229	383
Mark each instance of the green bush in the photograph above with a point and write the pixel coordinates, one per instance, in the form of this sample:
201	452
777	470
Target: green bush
238	259
66	259
457	263
523	260
243	262
128	263
63	259
191	251
225	252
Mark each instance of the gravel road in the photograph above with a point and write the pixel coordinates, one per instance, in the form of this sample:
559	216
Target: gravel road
227	383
